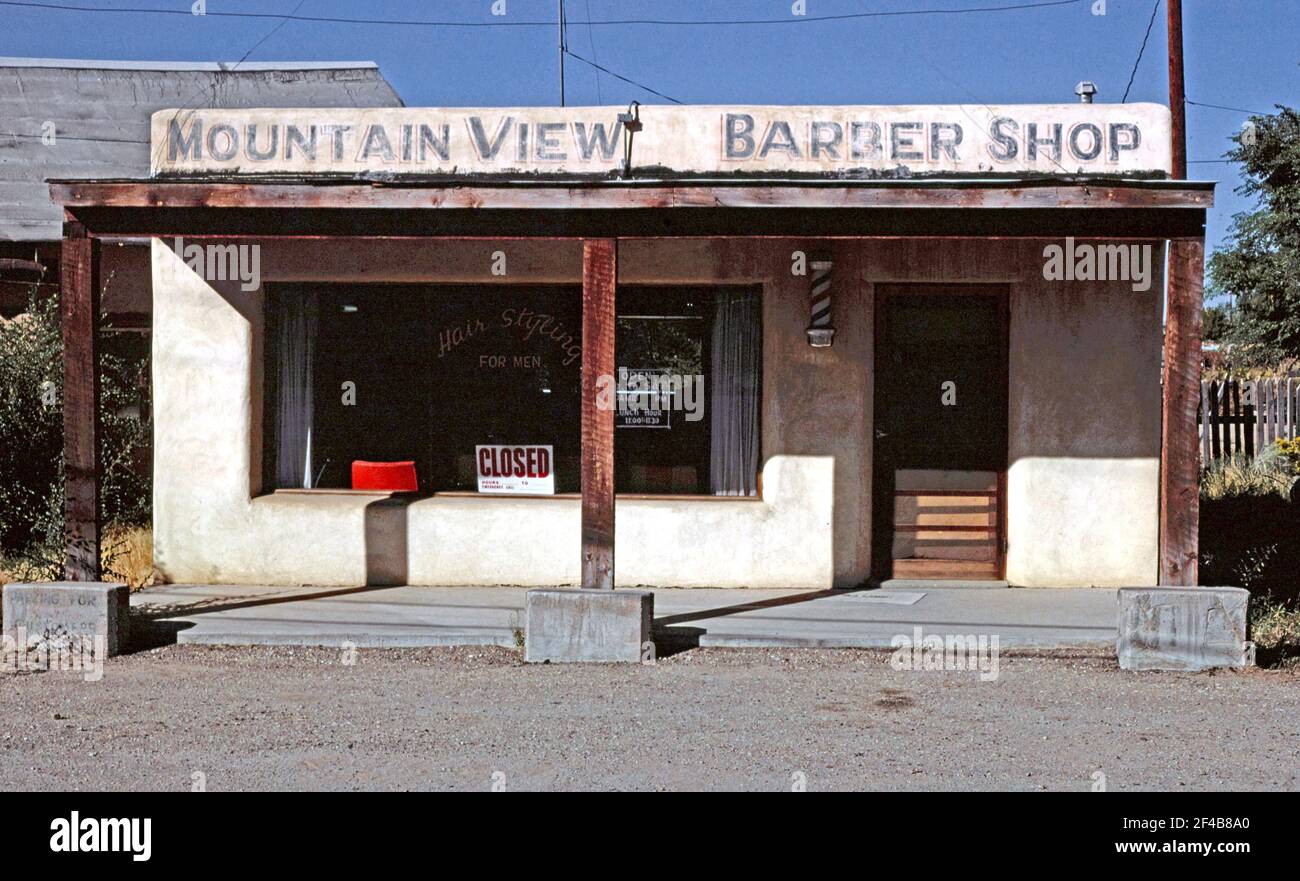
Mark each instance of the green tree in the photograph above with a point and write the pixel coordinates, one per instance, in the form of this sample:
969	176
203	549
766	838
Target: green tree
1218	324
31	438
1259	268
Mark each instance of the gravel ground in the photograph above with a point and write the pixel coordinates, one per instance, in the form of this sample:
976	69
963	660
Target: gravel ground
294	718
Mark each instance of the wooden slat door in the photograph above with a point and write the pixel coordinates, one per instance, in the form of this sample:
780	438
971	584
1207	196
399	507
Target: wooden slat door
946	524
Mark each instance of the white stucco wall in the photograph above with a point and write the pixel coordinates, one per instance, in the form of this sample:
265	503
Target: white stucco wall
1083	482
212	525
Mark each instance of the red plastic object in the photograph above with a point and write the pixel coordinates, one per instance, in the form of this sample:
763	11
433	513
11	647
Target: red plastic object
386	476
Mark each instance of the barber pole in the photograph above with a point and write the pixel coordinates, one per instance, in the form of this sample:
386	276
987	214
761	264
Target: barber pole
820	331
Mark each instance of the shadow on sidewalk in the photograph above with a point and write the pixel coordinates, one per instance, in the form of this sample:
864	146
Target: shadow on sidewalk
150	630
671	638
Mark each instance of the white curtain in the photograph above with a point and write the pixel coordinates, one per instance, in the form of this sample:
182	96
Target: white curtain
737	351
297	342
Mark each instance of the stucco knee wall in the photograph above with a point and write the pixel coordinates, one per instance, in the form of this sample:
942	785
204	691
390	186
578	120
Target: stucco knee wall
781	540
1082	522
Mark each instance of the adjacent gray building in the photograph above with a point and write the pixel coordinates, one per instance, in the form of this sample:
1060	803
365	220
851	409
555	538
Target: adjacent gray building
64	118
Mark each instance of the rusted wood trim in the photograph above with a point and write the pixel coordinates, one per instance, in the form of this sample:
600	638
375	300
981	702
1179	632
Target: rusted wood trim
339	240
711	222
79	305
1179	444
993	194
599	279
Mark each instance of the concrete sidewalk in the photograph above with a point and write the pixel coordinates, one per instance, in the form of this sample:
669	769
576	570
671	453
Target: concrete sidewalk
431	616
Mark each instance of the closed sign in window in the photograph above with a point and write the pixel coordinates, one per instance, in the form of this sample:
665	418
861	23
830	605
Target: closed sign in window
503	468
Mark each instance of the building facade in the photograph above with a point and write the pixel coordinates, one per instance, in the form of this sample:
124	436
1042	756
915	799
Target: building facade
801	347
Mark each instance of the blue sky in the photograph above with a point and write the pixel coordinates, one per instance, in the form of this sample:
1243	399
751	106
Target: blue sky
1239	53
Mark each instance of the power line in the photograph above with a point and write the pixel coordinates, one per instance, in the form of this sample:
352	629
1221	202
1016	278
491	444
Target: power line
1233	109
1147	36
269	34
235	66
793	19
564	51
591	41
564	45
806	19
619	76
939	70
216	80
58	137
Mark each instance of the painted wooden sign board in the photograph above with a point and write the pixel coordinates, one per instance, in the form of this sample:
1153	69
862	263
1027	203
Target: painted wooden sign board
884	141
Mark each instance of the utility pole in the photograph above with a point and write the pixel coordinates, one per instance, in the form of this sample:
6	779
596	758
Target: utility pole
1177	94
559	24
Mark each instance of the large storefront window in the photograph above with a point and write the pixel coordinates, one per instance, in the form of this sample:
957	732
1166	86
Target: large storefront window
430	374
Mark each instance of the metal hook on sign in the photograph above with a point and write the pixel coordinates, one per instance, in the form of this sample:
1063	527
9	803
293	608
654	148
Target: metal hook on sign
631	121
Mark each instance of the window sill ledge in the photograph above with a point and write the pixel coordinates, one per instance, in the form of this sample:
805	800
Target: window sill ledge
467	494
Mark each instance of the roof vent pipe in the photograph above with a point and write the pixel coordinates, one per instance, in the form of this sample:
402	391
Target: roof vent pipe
1085	90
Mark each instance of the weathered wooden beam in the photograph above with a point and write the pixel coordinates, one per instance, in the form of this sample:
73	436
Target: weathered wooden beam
79	271
599	280
1179	468
935	194
671	222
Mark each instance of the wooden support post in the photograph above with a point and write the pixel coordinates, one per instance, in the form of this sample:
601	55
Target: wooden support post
1179	497
79	279
599	279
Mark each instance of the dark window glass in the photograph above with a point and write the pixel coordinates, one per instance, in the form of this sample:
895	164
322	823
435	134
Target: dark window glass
425	373
661	439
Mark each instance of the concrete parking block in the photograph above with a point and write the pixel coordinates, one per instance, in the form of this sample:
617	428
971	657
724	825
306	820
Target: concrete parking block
587	625
1182	628
67	615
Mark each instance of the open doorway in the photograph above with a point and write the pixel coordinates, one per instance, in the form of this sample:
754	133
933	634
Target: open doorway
940	431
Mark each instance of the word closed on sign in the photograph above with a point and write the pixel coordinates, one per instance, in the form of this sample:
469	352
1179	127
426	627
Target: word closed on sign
519	469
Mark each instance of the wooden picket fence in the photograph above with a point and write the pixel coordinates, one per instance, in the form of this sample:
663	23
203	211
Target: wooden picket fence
1242	416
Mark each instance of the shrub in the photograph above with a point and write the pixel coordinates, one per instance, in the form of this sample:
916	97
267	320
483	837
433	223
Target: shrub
1250	524
1273	471
31	440
31	423
1289	449
1275	630
126	554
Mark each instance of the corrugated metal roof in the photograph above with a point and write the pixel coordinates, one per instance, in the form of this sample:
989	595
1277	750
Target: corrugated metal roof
245	66
98	113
